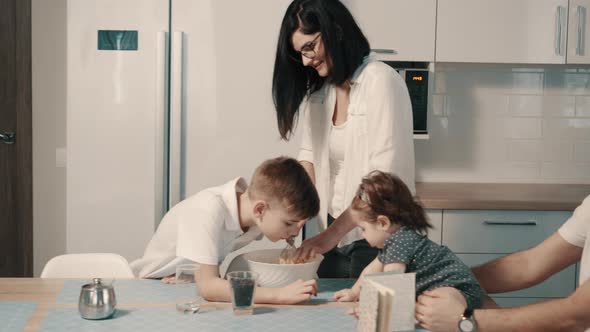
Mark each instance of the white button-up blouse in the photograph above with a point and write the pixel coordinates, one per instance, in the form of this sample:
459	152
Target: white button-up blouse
380	135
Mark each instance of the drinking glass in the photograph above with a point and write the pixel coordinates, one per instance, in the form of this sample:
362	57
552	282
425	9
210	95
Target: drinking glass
242	285
187	298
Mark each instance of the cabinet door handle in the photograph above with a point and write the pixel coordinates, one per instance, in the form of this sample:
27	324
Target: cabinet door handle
581	41
510	223
384	50
558	30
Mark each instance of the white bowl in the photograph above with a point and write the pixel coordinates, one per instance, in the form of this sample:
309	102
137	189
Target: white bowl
271	273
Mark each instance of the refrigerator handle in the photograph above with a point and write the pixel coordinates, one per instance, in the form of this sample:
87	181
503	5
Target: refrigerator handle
161	126
175	141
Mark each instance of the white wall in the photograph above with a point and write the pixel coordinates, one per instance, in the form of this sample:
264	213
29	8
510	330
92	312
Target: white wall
49	129
490	123
508	123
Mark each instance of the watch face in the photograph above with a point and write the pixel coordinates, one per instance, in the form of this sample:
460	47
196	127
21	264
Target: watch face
466	325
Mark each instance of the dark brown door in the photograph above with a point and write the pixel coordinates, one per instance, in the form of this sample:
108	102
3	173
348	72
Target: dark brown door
16	203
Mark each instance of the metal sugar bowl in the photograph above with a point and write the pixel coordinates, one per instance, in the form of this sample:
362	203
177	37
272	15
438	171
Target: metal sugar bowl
97	300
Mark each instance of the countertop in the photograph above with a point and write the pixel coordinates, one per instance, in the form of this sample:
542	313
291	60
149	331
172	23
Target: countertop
501	196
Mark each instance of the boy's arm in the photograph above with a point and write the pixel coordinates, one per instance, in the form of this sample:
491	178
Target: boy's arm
213	288
527	268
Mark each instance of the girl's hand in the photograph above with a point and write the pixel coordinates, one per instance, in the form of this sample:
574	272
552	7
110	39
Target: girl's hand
354	311
346	295
299	291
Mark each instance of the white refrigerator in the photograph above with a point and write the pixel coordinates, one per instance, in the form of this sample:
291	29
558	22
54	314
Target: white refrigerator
164	98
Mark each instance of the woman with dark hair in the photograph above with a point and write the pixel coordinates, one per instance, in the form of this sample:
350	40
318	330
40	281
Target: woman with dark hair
357	118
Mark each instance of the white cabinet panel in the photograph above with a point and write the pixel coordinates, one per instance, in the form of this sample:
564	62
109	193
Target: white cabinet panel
469	231
435	219
560	285
397	29
501	31
578	32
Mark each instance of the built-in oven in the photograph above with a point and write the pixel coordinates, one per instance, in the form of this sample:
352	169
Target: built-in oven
416	75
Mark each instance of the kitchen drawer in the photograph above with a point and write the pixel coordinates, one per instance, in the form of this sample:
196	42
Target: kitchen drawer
560	285
507	302
435	218
501	232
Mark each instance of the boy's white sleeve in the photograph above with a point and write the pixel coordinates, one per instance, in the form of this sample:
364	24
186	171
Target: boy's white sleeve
200	232
576	227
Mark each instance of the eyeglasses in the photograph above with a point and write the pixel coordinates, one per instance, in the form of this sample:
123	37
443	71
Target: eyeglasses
308	50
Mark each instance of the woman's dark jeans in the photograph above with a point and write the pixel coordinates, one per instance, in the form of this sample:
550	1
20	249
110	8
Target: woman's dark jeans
347	261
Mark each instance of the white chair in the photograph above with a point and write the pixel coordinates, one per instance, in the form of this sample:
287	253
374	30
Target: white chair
94	265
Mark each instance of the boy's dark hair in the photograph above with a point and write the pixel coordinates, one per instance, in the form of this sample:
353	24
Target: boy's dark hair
344	44
385	194
285	180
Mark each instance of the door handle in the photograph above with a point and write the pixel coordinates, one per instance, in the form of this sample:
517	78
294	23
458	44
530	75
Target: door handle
384	50
8	138
581	40
558	30
510	222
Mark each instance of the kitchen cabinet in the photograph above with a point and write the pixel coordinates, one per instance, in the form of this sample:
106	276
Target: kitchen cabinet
435	219
479	236
502	31
399	30
498	232
578	41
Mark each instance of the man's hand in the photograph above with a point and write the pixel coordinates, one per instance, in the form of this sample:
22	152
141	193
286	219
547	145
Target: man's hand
440	309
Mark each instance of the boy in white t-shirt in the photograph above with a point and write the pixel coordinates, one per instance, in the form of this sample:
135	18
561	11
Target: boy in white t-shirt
209	225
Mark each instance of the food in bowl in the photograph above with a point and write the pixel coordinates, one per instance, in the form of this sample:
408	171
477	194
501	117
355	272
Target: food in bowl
272	273
292	259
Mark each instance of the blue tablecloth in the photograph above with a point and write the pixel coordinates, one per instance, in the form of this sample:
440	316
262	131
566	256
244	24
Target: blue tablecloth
307	319
14	315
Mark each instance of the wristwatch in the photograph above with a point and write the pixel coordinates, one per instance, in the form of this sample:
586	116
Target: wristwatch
467	322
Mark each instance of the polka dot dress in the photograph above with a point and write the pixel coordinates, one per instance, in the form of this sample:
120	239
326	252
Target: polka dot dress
435	266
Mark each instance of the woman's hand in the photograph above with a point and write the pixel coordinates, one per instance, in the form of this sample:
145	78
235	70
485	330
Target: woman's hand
329	238
298	291
346	295
440	309
318	244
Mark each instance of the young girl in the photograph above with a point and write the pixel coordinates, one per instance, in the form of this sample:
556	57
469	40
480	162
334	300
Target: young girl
396	224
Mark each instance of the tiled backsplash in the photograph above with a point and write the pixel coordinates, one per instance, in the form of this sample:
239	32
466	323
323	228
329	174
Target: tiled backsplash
499	123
